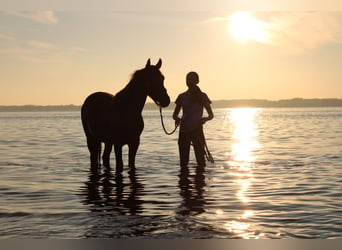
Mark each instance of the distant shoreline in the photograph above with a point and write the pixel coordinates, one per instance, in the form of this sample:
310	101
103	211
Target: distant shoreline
251	103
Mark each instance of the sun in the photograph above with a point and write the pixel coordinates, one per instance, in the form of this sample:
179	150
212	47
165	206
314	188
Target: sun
243	26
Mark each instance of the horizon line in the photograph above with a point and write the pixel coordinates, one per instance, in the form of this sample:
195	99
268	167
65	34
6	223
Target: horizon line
213	101
234	103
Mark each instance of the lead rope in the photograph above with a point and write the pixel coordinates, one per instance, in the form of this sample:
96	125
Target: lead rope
208	155
162	122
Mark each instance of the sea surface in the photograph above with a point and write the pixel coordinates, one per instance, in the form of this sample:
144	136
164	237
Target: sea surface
277	174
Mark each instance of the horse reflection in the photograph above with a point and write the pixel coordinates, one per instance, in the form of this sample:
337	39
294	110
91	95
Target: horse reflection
192	192
108	193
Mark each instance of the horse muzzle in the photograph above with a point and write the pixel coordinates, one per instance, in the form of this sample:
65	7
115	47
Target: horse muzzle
163	103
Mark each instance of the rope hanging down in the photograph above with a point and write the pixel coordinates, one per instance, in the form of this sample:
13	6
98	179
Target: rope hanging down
162	122
208	155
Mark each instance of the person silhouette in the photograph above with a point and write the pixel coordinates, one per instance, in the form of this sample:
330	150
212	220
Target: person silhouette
192	103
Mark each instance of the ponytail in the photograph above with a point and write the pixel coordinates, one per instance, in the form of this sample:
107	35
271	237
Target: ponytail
192	79
196	94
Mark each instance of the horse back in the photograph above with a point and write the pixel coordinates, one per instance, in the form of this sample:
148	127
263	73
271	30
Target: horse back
106	119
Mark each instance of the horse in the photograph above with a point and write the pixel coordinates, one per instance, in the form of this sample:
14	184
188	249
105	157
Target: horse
117	119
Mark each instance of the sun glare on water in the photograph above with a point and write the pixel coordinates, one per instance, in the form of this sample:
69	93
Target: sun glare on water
243	27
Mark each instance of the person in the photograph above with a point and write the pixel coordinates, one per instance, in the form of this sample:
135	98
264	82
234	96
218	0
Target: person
192	103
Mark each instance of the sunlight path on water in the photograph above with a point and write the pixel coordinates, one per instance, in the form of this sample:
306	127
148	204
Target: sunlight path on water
244	143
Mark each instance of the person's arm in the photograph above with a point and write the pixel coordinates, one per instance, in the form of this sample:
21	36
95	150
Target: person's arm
210	114
176	113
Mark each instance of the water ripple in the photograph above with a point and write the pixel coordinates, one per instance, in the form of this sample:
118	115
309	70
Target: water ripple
277	174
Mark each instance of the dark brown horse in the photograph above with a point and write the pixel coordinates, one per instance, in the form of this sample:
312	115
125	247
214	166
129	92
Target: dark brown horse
117	120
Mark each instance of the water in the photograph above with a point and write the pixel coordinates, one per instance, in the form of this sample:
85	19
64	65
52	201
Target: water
277	174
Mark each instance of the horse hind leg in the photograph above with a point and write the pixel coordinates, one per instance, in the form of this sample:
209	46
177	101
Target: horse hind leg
94	147
118	157
106	154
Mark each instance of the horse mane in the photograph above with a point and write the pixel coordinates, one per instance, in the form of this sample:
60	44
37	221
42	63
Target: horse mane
134	77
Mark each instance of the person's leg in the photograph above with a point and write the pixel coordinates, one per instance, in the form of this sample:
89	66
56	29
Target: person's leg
198	142
184	149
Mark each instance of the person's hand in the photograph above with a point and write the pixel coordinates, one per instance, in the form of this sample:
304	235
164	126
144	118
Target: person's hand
177	121
204	120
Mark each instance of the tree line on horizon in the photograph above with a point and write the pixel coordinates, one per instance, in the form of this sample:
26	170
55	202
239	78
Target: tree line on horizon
252	103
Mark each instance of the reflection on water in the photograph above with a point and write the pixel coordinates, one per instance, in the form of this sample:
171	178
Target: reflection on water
109	193
191	190
245	143
116	194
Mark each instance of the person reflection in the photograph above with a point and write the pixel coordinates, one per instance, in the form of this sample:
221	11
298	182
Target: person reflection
192	191
108	193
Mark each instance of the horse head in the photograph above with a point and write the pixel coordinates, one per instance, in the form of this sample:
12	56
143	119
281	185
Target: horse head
154	84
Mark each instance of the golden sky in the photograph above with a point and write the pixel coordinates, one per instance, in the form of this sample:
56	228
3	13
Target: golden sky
53	57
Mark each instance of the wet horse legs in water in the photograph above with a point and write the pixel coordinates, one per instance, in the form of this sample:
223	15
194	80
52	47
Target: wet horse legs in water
118	157
106	154
95	154
94	147
132	151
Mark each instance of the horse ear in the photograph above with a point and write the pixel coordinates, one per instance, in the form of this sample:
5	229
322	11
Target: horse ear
148	64
159	64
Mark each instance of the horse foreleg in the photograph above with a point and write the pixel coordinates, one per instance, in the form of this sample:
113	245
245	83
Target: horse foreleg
118	157
106	154
132	151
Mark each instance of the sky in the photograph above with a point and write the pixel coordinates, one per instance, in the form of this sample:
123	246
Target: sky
58	54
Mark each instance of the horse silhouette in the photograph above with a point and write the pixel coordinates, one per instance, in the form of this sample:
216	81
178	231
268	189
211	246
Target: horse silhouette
117	120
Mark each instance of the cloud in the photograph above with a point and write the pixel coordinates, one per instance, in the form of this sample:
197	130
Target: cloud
47	17
6	37
78	49
34	51
40	45
300	32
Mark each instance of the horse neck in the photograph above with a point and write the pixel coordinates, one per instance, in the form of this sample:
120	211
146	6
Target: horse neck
133	96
